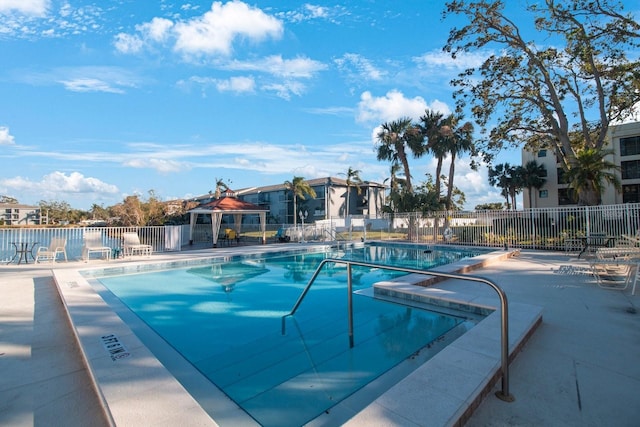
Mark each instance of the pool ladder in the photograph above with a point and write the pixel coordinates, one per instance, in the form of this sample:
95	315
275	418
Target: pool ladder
504	340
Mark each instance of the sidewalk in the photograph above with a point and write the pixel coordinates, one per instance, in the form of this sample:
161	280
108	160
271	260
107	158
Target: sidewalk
580	368
44	381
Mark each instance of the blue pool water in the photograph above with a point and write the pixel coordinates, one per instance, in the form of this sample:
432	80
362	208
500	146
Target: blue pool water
225	318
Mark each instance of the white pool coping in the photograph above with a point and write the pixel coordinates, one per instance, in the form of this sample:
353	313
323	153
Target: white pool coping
136	388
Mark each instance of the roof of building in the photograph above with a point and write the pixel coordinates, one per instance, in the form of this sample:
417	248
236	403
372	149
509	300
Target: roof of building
312	182
17	206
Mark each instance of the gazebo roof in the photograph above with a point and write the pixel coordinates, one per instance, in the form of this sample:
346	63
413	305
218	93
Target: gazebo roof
228	204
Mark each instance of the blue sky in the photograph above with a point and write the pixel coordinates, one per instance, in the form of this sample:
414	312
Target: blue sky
105	99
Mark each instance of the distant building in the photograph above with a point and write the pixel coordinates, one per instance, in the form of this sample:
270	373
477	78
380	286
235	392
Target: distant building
330	201
624	139
17	214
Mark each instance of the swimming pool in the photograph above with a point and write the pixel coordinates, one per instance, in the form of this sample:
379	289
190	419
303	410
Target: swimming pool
225	319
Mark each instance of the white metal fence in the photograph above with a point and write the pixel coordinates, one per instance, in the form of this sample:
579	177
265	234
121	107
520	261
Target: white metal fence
545	228
162	238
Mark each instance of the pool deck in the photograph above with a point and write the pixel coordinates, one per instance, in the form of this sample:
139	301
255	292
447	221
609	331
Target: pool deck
579	368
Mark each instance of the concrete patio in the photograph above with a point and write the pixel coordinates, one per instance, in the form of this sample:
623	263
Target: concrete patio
580	368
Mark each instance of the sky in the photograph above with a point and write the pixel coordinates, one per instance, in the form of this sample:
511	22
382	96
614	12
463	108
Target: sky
100	100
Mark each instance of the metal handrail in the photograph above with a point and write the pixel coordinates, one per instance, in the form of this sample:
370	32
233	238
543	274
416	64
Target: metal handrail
504	344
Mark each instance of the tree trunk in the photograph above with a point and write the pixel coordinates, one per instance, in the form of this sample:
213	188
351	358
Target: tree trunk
295	213
346	206
438	171
407	174
589	197
452	170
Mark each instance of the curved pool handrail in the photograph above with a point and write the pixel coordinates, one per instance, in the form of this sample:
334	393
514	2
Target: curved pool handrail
504	306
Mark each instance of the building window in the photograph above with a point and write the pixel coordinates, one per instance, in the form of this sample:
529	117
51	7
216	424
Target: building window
631	193
567	196
543	194
542	153
630	169
562	176
630	146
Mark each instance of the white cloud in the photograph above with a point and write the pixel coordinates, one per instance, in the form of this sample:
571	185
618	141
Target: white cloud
213	33
5	137
89	85
156	30
393	106
27	7
86	79
442	60
316	11
284	90
237	85
33	19
216	30
275	65
128	43
363	69
308	12
160	165
58	184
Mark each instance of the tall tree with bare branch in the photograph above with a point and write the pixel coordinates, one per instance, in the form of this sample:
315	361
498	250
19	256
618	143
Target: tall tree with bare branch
575	77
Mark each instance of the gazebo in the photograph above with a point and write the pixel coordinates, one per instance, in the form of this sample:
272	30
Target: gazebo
228	204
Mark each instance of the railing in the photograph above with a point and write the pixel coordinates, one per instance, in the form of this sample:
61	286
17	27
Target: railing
540	228
504	306
543	228
161	238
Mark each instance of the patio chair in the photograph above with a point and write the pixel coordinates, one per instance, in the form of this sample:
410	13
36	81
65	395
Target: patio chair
609	276
232	235
281	236
631	240
635	279
618	252
93	244
56	246
613	267
131	245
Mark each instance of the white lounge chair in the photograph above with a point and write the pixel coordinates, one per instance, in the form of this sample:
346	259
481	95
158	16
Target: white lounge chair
631	240
611	275
93	244
131	245
57	246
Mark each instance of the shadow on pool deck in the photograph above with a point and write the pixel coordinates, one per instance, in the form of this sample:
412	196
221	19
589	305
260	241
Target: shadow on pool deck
580	368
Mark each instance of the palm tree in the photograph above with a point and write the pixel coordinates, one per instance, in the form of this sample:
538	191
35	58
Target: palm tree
395	139
432	130
458	139
504	176
220	186
395	185
587	176
353	180
300	188
532	176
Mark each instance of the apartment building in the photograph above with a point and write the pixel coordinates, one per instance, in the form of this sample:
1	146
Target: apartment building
330	200
624	139
17	214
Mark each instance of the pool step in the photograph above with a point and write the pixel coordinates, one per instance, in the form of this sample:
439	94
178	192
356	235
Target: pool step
311	388
284	357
